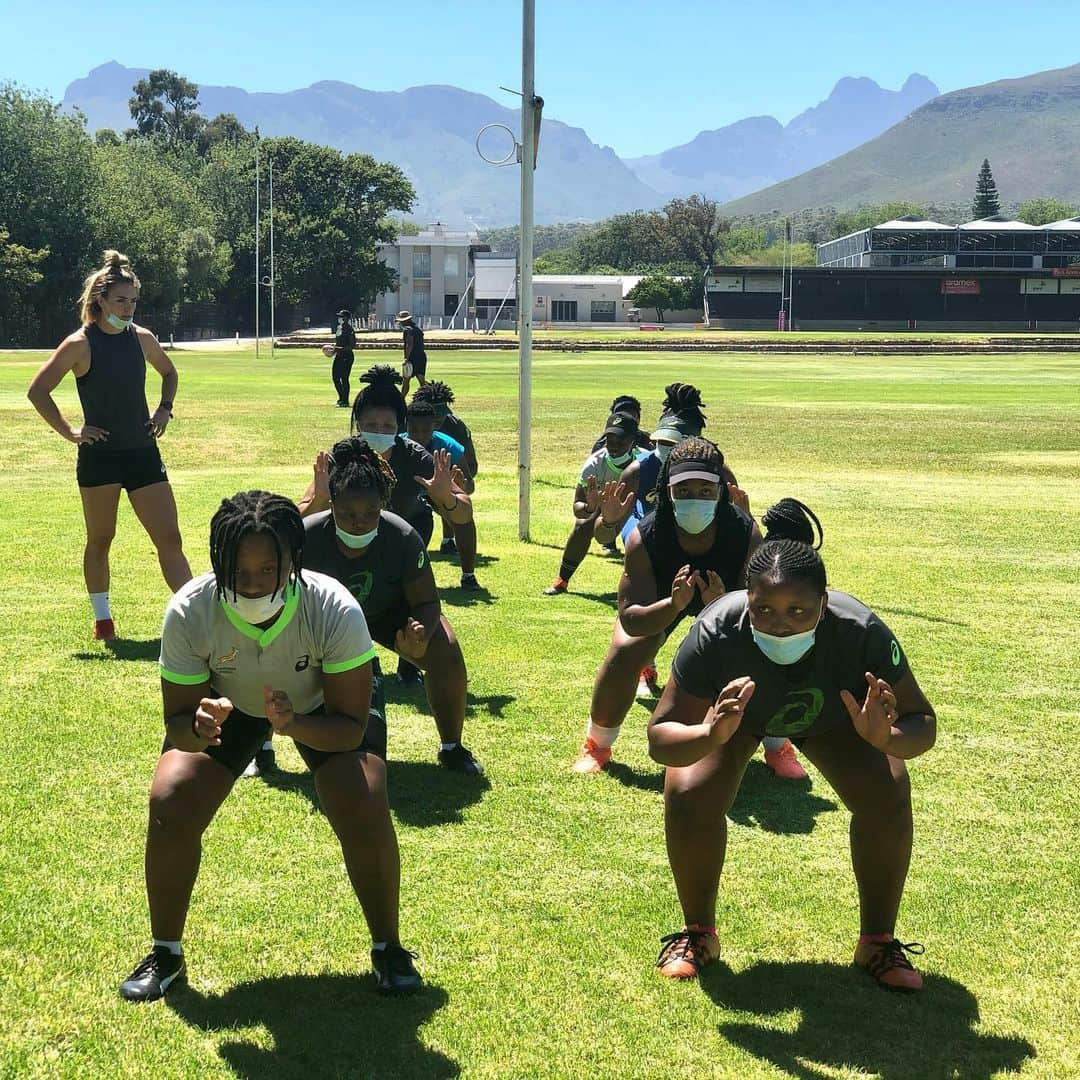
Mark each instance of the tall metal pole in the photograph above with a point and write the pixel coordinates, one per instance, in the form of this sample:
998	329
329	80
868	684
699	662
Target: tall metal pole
258	271
525	290
271	165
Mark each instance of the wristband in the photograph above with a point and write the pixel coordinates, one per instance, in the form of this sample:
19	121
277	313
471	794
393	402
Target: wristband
167	406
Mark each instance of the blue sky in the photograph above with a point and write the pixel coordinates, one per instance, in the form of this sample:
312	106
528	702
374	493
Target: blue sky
637	75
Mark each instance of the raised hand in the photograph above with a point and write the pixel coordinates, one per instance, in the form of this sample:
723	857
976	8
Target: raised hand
682	588
322	477
615	502
279	709
409	641
711	586
88	434
592	495
874	719
726	714
209	716
739	497
441	486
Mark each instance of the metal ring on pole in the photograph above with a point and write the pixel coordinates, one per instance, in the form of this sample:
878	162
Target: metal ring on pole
515	153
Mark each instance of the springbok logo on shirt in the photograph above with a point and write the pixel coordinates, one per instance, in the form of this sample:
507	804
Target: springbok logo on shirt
797	714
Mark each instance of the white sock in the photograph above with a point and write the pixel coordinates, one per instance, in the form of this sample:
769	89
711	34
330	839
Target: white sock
173	946
378	946
771	742
99	601
604	737
448	745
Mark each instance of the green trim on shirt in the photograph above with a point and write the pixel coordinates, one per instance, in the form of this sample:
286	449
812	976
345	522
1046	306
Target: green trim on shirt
265	637
183	680
348	665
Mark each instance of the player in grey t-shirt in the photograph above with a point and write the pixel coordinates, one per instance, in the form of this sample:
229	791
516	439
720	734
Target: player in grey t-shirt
789	657
250	647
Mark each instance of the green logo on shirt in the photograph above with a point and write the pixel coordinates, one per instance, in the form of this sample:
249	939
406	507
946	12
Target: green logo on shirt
360	585
420	562
895	654
797	714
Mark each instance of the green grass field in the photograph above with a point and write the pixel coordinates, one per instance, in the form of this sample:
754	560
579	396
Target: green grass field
948	490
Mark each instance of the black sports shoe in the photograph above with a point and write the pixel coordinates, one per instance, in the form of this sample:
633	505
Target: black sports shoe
262	763
470	584
154	975
460	760
343	405
394	970
408	674
448	546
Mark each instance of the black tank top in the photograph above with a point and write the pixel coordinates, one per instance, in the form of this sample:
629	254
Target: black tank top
726	557
113	391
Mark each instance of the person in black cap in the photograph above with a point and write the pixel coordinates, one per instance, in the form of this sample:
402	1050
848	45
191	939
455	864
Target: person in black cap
415	362
601	467
626	403
344	343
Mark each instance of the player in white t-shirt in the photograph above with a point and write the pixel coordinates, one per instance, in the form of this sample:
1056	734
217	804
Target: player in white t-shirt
252	647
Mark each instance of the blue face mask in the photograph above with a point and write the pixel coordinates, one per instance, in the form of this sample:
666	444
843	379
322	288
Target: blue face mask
117	323
354	540
694	515
378	442
784	650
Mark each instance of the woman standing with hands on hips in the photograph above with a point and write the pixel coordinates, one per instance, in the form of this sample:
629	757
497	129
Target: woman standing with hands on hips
117	440
790	657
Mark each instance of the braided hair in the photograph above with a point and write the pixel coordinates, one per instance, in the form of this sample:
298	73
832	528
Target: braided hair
438	393
625	403
421	408
781	561
380	392
692	448
685	401
355	467
255	513
790	519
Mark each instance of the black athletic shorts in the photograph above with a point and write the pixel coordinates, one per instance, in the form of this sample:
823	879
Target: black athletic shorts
243	735
419	365
131	469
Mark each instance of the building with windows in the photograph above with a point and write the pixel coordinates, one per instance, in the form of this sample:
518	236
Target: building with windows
582	298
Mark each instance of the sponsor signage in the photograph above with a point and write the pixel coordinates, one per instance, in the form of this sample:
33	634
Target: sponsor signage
1039	286
1066	271
961	286
724	283
1070	286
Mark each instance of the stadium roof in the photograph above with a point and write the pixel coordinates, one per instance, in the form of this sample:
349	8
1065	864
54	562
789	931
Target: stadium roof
1069	224
912	222
998	223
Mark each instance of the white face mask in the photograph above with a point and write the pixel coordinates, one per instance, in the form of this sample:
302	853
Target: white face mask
117	323
256	609
356	541
663	450
378	442
622	460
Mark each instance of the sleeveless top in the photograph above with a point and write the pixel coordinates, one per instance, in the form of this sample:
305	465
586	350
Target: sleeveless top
113	391
726	557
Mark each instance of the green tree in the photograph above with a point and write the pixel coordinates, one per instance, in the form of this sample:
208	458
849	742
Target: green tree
165	104
1044	211
224	128
986	202
663	292
19	276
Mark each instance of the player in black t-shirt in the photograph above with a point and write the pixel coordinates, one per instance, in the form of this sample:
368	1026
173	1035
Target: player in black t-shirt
683	555
415	361
344	343
790	657
383	562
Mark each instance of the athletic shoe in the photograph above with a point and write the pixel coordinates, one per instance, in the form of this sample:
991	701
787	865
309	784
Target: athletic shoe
470	584
342	404
459	759
262	763
153	976
885	960
104	630
394	970
785	763
648	686
592	759
610	549
448	546
683	955
557	587
409	674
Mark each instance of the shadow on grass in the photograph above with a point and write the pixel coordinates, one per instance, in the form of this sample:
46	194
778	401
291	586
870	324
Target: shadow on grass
777	806
456	596
321	1025
424	794
920	615
848	1024
415	695
124	649
437	556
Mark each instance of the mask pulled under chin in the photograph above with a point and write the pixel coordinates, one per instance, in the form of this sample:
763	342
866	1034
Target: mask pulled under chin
256	609
378	442
117	323
356	541
622	460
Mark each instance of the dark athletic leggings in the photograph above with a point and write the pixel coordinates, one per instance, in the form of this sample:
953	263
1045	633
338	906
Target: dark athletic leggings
343	363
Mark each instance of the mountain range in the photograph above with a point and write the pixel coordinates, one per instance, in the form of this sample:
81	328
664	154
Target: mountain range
430	132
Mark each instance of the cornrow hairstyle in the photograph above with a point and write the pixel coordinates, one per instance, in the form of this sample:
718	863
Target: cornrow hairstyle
790	519
693	449
781	561
626	403
380	392
684	400
255	513
354	466
421	408
438	393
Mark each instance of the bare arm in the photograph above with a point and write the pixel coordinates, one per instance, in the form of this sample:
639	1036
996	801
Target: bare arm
685	728
73	354
606	531
897	720
423	599
185	727
347	698
158	359
641	612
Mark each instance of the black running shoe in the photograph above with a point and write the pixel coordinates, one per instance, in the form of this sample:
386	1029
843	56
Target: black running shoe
460	760
470	584
408	674
153	976
448	546
394	970
262	763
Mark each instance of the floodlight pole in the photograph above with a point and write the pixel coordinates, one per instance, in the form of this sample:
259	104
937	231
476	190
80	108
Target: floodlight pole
271	167
527	151
258	275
